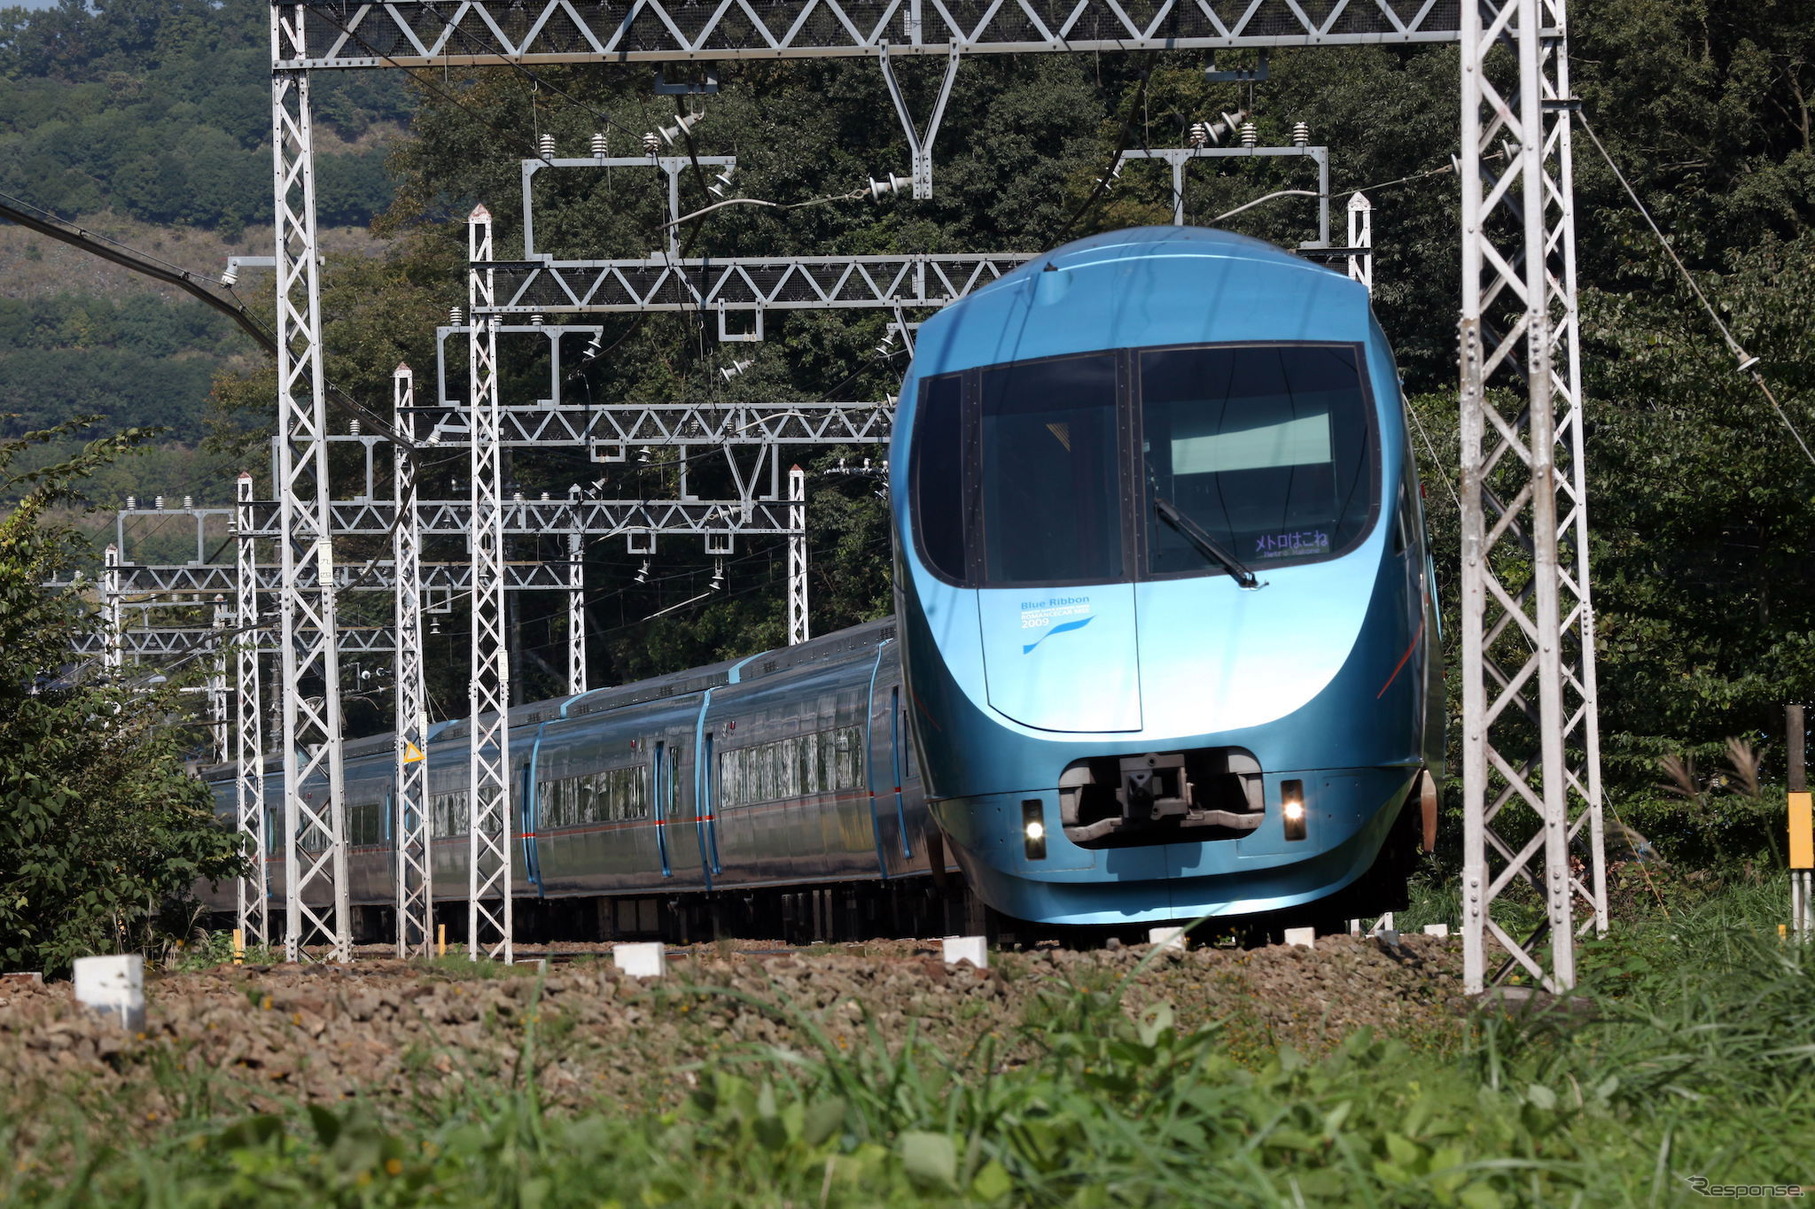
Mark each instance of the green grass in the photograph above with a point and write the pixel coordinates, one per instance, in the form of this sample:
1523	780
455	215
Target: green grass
1696	1061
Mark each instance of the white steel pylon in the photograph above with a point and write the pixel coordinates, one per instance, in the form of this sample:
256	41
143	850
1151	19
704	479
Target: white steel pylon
797	555
1531	747
576	603
221	743
249	732
112	613
489	826
1361	240
316	910
415	868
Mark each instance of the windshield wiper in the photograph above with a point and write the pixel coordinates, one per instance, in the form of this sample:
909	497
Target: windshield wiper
1206	545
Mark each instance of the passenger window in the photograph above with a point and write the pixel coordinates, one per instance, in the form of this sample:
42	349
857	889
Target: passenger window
941	518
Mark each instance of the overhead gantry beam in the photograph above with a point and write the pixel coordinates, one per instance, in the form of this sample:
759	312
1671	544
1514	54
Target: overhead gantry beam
744	283
529	518
429	34
218	579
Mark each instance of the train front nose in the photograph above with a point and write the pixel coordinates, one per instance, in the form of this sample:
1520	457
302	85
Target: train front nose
1147	565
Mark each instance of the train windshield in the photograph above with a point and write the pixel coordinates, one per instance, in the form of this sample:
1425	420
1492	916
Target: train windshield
1143	463
1048	475
1265	448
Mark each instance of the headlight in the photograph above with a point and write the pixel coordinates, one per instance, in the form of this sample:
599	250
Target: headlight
1292	808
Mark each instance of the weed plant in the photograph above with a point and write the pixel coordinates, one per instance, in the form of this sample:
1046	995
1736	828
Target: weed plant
1689	1055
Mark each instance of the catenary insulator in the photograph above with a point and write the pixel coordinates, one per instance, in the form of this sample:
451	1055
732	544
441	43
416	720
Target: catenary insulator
651	144
1250	136
889	184
456	315
598	144
1301	133
545	146
682	125
1200	134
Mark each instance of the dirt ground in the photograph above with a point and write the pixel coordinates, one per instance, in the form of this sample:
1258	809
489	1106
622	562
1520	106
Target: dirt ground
266	1037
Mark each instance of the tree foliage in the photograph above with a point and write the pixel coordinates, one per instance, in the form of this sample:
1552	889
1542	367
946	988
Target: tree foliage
136	359
1698	494
106	834
161	109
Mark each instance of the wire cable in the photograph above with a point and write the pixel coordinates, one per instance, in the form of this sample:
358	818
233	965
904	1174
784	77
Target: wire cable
1747	364
854	195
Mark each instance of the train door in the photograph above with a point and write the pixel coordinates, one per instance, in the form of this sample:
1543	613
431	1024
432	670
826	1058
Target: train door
888	766
677	831
898	768
528	813
706	806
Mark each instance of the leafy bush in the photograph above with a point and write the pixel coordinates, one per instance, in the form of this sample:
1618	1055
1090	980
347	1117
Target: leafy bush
106	832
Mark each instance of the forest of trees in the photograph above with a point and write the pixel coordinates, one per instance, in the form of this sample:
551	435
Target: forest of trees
136	357
161	110
1700	498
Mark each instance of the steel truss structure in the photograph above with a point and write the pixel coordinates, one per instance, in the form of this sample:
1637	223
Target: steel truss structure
1531	741
315	855
488	903
798	629
415	867
254	892
1361	240
218	579
1527	621
527	518
744	283
420	33
177	642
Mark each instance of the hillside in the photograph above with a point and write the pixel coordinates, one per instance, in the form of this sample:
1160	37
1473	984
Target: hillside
161	110
150	123
81	335
1701	498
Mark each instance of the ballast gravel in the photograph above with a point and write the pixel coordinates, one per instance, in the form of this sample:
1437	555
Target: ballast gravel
263	1038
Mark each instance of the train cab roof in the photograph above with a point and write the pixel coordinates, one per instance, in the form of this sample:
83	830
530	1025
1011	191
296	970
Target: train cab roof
1166	241
1145	287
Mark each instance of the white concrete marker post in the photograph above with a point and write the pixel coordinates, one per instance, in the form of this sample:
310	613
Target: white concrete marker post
641	960
1301	938
1167	938
974	949
113	987
1436	929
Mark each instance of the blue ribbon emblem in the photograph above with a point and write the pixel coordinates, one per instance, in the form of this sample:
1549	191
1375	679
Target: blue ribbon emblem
1058	629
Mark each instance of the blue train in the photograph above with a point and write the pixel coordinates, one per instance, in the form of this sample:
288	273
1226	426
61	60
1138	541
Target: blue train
1166	605
1167	648
778	793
